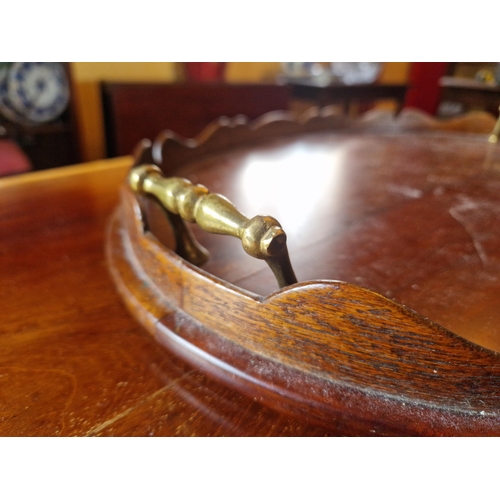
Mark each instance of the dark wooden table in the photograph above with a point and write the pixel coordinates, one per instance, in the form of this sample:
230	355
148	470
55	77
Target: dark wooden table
413	216
325	92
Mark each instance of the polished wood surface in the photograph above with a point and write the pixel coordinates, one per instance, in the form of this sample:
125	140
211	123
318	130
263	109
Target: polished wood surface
432	220
72	360
403	196
410	215
364	173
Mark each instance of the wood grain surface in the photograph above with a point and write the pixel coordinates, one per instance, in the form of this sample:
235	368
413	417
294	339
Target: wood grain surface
399	190
398	207
412	216
73	362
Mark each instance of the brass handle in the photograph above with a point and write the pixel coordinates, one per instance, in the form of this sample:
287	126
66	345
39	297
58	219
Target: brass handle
495	134
262	237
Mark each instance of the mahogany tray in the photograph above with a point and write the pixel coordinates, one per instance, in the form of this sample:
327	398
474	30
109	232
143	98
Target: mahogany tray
391	223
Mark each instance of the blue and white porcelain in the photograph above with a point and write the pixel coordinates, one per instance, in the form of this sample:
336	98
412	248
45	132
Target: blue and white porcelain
5	107
35	92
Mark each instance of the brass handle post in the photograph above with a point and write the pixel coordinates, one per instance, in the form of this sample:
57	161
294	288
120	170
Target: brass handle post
495	134
262	237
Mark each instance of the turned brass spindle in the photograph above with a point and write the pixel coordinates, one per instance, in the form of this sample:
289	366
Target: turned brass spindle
262	237
496	131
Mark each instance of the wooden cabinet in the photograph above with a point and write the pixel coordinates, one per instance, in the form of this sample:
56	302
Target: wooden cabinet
470	87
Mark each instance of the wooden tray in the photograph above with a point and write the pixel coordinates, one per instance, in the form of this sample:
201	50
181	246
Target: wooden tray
384	218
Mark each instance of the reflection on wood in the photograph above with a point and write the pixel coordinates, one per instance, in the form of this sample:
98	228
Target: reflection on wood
328	352
74	362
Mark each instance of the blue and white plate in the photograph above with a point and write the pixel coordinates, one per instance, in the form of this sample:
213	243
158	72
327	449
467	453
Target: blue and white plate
34	92
5	107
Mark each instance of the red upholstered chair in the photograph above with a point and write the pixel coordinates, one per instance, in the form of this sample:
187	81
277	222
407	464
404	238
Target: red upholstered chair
12	159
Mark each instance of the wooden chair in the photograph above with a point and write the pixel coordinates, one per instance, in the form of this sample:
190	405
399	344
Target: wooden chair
133	111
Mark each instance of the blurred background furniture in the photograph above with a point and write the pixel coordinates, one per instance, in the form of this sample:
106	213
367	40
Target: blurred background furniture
323	92
423	81
454	88
82	131
133	111
466	86
204	71
470	94
49	145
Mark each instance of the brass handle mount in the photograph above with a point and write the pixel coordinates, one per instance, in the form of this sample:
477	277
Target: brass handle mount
495	134
262	237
